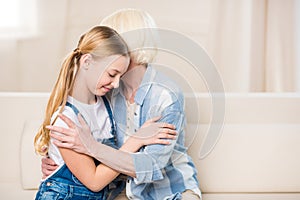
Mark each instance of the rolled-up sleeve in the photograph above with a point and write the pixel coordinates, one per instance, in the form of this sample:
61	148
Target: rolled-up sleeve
147	170
150	163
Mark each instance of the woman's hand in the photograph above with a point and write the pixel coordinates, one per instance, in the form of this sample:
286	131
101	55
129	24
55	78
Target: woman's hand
48	166
75	137
151	132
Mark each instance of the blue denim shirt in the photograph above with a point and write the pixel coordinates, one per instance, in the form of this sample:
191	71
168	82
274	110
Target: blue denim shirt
162	171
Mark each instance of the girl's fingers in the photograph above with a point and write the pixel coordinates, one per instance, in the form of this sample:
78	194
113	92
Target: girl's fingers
151	121
168	131
67	120
154	119
166	125
160	141
166	136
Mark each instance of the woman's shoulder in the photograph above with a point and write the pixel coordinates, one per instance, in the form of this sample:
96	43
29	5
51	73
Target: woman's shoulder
166	82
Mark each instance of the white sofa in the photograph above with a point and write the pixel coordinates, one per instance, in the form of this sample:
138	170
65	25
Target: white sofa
256	157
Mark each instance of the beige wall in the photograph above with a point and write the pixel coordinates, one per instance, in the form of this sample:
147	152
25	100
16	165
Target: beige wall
32	63
254	43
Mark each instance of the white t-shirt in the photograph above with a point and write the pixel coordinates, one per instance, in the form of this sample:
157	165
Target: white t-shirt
130	120
96	117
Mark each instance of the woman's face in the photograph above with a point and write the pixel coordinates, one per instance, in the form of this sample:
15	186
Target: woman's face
104	74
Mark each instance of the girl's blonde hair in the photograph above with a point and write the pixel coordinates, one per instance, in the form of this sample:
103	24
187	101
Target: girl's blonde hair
100	42
129	19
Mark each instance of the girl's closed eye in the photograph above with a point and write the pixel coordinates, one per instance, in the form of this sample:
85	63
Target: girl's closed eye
111	75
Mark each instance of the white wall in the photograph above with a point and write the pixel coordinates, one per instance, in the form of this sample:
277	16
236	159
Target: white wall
32	63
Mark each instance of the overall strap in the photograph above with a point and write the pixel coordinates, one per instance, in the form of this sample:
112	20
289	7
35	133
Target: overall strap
76	111
107	106
110	114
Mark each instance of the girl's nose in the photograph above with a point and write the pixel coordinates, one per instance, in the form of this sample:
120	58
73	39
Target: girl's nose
115	83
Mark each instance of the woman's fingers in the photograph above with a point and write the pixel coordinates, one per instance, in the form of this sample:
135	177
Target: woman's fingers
48	166
58	137
48	162
64	131
81	120
63	144
62	140
67	120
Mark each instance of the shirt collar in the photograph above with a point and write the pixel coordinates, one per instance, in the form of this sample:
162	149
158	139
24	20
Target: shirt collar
145	85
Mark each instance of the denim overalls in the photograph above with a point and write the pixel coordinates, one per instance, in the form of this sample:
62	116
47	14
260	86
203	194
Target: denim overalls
64	185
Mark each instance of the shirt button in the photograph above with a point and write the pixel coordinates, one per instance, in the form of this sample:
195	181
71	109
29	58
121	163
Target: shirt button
48	184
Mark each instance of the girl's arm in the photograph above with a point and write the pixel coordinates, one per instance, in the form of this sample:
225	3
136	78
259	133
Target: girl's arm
84	168
97	177
121	161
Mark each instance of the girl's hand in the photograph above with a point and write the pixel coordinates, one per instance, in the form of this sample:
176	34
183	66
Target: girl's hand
151	132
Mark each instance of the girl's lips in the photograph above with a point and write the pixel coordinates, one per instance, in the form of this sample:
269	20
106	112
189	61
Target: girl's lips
107	89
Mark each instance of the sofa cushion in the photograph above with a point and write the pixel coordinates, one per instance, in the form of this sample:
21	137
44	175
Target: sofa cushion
29	160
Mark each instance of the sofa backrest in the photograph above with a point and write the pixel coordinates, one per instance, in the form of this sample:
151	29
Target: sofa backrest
257	150
21	117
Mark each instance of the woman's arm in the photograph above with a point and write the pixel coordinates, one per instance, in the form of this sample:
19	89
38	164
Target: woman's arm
97	177
78	138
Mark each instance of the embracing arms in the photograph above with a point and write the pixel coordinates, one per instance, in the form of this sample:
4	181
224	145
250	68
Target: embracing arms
83	167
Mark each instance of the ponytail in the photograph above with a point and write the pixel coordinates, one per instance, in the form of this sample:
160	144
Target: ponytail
58	97
100	41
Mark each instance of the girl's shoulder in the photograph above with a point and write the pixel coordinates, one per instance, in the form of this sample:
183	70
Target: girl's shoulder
68	111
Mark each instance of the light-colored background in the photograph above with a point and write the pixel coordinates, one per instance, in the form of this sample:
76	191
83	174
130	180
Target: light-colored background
256	158
254	43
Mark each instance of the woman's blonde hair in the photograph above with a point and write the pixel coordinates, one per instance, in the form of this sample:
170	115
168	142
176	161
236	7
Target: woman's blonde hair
100	42
129	19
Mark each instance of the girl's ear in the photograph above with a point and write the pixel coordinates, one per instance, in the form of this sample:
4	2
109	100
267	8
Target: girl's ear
85	60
